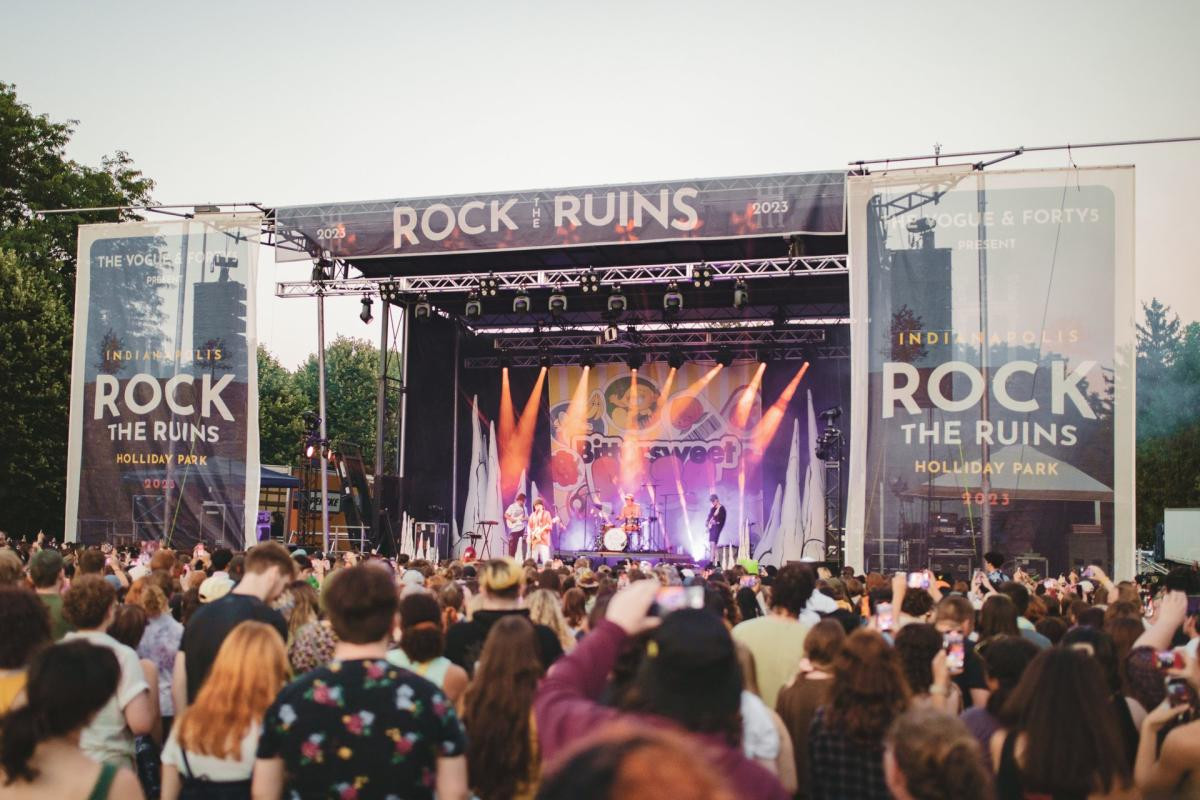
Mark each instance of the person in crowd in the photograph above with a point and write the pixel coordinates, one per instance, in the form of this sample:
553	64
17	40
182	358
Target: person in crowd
1005	659
503	759
1127	711
159	644
765	738
777	640
26	627
90	605
807	691
422	643
46	574
1019	594
994	568
545	609
846	738
687	677
1053	628
310	643
1060	736
574	608
955	614
127	627
627	762
1168	757
923	656
269	569
501	583
12	571
998	617
70	684
211	752
360	726
931	756
218	565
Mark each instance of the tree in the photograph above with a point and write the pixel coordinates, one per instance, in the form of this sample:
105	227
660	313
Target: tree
281	405
37	300
351	375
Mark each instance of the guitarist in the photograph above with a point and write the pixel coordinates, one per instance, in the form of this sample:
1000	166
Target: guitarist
540	525
715	523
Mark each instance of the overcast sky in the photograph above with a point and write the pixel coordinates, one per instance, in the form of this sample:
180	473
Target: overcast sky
308	102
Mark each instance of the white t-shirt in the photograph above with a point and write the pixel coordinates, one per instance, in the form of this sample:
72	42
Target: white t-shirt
760	739
209	767
108	738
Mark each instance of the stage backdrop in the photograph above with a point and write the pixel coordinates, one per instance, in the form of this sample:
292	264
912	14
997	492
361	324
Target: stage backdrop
669	442
164	387
993	359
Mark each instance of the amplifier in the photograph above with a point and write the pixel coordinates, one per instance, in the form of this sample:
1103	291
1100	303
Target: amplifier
955	564
1033	564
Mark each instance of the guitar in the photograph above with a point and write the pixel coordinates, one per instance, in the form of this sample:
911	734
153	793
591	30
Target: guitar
540	526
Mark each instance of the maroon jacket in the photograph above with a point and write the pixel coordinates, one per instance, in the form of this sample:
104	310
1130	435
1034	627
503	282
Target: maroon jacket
566	710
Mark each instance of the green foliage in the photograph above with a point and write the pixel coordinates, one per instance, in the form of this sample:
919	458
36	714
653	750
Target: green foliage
280	406
37	290
351	383
1168	416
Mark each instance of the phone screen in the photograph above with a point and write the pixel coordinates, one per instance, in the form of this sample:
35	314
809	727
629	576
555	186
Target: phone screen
883	616
1193	606
918	580
673	598
749	581
955	651
1177	692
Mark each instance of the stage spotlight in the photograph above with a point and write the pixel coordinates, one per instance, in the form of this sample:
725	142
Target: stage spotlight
489	286
588	282
558	302
521	303
635	359
611	334
741	295
617	304
545	360
365	314
422	311
673	299
764	355
474	308
588	360
702	277
675	359
505	361
724	357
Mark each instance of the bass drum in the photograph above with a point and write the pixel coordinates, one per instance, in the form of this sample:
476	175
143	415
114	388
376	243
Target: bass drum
615	540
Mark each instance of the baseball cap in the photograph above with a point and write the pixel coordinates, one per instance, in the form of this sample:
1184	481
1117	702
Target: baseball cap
214	588
412	577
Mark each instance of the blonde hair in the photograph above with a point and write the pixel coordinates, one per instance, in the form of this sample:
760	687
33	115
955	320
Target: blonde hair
150	597
544	609
250	669
502	577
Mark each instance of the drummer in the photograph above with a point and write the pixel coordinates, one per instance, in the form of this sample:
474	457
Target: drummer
631	513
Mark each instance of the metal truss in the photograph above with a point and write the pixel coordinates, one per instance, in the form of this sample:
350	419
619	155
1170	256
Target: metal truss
572	340
742	269
621	354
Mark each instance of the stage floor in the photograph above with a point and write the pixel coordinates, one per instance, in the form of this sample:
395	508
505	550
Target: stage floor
611	558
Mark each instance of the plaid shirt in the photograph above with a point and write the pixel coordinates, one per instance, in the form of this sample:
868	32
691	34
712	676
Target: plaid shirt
841	768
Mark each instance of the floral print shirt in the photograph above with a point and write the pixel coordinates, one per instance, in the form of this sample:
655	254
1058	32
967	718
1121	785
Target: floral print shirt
159	644
312	646
355	730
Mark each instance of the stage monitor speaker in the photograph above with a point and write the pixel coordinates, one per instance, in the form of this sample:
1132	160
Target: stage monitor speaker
1087	545
1033	564
957	565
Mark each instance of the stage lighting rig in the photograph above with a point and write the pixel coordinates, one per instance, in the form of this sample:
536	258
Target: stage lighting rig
474	309
521	303
702	277
422	311
558	302
610	334
588	360
588	282
672	300
724	357
505	361
675	359
365	315
764	355
545	360
489	286
635	359
617	304
741	295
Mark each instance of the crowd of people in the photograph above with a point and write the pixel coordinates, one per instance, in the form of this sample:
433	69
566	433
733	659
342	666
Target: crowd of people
270	674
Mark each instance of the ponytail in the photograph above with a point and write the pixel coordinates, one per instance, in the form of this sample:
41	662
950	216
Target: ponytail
68	684
18	738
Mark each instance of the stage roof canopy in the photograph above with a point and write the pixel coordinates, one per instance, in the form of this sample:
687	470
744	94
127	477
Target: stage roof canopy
712	219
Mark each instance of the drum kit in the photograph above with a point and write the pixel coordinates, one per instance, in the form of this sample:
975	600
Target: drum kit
629	534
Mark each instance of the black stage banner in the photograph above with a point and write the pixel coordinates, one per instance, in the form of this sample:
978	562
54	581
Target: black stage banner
717	208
